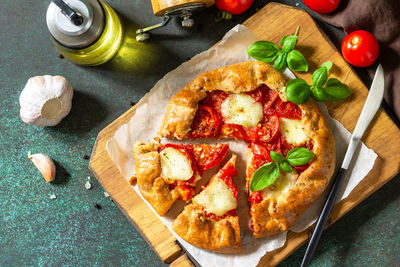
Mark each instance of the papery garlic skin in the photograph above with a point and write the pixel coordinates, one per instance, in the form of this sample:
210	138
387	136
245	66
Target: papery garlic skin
45	100
45	165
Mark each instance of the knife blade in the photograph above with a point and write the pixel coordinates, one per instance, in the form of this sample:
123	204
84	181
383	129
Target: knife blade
368	112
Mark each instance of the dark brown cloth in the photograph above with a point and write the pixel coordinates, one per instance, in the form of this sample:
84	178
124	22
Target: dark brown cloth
382	19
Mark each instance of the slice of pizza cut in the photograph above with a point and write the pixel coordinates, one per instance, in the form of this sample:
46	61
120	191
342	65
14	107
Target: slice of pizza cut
247	101
210	221
168	172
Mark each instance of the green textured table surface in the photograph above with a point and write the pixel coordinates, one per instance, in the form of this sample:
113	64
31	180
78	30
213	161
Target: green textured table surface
69	230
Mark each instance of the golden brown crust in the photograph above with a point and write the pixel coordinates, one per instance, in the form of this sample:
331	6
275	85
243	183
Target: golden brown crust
196	228
148	168
237	78
272	216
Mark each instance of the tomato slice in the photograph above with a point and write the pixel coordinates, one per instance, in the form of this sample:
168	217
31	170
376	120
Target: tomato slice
233	131
266	131
206	123
214	99
287	109
260	154
255	197
217	218
209	156
257	94
275	144
269	96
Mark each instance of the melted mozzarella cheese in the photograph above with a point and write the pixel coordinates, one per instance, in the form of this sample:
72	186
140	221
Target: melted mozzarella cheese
293	131
217	198
242	109
175	165
281	185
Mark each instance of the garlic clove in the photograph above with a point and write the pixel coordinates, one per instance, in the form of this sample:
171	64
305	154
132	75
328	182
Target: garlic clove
45	100
45	165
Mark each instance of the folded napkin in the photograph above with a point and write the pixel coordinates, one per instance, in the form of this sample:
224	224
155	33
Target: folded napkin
382	19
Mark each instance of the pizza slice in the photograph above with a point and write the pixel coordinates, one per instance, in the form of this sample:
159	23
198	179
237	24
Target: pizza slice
247	101
168	172
210	221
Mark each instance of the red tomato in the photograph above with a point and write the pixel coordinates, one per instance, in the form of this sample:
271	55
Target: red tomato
322	6
186	192
214	99
255	197
209	156
206	123
360	48
257	94
260	154
233	131
269	96
234	7
266	131
287	109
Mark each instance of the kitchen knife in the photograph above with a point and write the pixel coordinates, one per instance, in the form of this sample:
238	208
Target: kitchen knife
368	112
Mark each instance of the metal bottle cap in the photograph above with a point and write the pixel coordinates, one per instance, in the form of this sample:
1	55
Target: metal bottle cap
70	35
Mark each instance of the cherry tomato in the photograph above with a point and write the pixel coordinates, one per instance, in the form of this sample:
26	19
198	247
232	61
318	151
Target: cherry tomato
287	109
214	99
206	123
267	130
186	192
257	94
233	131
227	173
234	7
269	96
322	6
260	155
360	48
209	156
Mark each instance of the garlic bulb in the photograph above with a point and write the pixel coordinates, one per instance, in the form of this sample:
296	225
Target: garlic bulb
45	165
45	100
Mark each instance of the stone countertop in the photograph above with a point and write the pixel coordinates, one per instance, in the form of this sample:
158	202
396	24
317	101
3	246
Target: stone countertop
69	230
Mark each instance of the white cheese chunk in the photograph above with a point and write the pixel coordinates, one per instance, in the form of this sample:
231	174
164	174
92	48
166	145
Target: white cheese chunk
175	165
293	131
242	109
217	198
281	185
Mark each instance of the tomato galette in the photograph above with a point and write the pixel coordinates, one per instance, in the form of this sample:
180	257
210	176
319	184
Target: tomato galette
167	172
247	101
210	221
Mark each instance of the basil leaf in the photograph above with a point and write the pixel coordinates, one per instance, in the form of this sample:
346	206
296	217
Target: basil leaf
337	90
283	40
296	61
289	42
275	156
328	65
264	176
319	77
286	167
263	51
297	91
280	61
319	94
299	156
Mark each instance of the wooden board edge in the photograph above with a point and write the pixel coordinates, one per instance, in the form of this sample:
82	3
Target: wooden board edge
182	261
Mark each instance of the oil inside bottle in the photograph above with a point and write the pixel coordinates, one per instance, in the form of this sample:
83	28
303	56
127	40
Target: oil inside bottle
104	48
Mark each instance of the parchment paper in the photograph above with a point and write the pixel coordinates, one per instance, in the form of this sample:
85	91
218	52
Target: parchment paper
145	123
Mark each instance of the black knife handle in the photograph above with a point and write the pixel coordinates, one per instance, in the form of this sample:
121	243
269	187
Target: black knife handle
323	217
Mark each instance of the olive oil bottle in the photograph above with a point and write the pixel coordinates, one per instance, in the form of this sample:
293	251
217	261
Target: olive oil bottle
86	32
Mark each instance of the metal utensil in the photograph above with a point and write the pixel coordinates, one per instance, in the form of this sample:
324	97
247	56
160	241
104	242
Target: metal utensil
368	112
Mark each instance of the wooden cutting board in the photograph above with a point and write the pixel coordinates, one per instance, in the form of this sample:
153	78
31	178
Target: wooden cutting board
270	23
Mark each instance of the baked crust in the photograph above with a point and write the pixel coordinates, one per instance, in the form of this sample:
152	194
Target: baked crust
236	78
152	187
272	215
196	228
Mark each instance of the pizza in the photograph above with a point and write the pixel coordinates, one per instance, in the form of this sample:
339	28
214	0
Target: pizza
168	172
210	221
246	101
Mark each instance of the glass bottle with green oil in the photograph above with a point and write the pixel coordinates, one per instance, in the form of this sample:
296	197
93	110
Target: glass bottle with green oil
86	32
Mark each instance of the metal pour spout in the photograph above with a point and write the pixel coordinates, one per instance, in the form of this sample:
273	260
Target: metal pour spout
73	16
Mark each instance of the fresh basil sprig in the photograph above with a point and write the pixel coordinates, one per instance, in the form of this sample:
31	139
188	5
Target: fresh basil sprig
322	89
267	174
287	56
